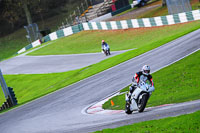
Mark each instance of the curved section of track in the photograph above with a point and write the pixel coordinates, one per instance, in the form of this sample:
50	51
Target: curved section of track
61	111
51	63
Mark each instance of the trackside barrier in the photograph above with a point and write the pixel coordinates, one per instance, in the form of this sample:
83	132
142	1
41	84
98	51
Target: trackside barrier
32	45
124	24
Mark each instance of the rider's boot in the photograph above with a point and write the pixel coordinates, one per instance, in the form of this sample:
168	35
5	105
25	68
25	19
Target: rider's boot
129	97
109	51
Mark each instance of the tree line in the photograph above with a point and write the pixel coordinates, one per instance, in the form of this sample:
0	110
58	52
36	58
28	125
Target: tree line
17	13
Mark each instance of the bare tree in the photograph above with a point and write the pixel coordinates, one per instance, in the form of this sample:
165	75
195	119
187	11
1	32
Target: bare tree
15	13
13	10
26	10
10	11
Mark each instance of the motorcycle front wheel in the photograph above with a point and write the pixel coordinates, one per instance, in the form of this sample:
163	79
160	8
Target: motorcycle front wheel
127	108
142	103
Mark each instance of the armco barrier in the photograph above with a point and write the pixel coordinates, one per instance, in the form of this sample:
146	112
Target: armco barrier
124	24
32	45
64	32
144	22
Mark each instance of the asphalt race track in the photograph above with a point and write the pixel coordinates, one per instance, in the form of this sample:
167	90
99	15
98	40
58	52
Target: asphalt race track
51	63
62	111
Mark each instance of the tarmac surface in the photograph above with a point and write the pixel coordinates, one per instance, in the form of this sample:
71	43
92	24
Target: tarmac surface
51	63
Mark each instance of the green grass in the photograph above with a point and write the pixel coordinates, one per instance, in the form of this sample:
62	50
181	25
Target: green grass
188	123
90	41
31	86
176	83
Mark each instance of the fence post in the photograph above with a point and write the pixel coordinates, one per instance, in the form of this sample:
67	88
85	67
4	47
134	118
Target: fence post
3	85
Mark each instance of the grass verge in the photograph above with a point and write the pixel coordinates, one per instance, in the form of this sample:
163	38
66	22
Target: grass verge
188	123
176	83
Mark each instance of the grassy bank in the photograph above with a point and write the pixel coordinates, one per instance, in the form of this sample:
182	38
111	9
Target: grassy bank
90	41
9	45
176	83
188	123
31	86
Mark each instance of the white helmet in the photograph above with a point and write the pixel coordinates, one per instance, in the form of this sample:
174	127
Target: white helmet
146	70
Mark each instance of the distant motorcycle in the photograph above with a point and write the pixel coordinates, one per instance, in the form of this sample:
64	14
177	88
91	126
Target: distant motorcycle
106	50
139	98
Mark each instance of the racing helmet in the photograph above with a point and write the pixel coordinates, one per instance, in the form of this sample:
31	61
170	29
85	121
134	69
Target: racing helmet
146	70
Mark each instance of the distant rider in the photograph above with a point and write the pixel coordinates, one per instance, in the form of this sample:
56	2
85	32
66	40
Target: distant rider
104	47
143	75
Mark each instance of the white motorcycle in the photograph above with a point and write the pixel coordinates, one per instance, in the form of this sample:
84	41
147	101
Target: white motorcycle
139	97
106	50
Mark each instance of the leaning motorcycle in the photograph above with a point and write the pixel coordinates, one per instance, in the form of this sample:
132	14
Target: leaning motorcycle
106	50
139	97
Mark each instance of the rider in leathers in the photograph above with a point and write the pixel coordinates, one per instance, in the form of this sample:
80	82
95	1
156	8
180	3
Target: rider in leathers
104	46
143	75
